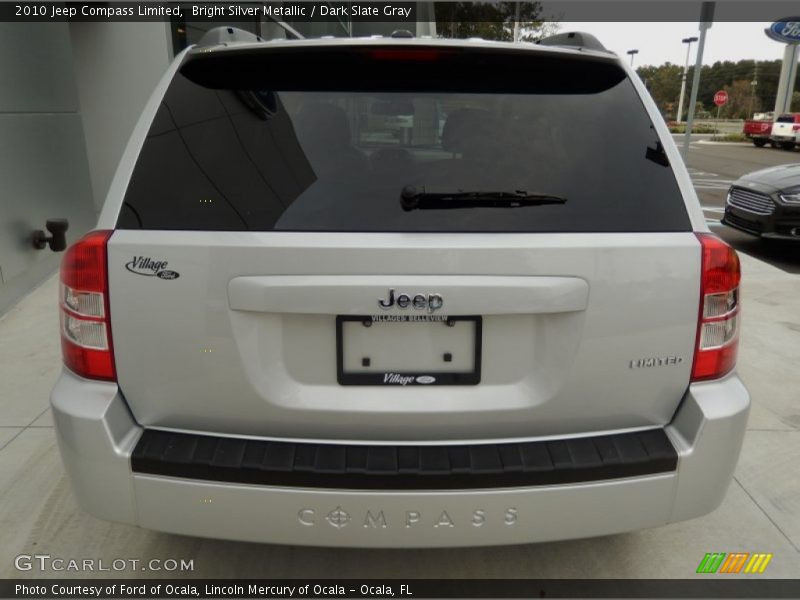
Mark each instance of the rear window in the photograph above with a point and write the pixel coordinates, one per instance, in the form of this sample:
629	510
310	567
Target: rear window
327	139
786	119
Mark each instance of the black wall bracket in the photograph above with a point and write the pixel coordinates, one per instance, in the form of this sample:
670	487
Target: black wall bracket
58	238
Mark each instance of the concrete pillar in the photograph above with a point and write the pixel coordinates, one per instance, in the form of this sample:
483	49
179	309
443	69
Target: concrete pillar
783	99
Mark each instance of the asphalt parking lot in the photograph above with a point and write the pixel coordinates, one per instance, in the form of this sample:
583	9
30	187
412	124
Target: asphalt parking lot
761	512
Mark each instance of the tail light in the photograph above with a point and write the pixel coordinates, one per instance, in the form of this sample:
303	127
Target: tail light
83	305
795	127
718	322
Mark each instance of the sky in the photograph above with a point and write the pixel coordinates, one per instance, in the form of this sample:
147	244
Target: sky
661	42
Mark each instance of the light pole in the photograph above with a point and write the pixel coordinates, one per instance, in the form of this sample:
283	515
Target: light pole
688	41
753	85
632	53
706	20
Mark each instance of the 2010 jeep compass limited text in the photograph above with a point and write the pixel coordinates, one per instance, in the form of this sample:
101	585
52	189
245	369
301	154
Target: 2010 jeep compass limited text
376	293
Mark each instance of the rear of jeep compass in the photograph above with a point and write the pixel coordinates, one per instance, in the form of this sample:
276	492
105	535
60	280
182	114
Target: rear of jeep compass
380	293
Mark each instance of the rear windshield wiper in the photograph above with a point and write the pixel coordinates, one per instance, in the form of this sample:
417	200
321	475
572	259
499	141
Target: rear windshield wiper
411	198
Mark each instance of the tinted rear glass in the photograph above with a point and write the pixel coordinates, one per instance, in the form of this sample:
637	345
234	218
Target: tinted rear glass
786	119
326	140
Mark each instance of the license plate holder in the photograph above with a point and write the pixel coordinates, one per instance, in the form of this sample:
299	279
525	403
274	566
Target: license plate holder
364	352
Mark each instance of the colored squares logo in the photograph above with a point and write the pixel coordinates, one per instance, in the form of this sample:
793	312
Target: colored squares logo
734	563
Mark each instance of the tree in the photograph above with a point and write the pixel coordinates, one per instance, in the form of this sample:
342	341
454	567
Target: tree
664	84
491	21
741	101
715	77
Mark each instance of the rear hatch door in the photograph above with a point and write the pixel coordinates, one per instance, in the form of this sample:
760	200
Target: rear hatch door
266	278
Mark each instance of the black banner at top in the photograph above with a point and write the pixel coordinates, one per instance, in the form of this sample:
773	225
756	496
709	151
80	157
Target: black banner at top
221	12
644	11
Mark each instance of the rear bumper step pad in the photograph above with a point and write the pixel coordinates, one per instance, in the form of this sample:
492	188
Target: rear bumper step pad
403	467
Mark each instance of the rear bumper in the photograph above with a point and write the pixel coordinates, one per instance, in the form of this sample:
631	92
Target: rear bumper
97	436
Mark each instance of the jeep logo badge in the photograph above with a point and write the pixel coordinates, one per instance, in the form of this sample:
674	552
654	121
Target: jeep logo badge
432	302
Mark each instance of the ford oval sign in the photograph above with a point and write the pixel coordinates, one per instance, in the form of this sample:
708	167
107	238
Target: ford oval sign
787	32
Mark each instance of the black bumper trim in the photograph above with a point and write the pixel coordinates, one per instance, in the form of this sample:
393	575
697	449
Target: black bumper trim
406	467
736	222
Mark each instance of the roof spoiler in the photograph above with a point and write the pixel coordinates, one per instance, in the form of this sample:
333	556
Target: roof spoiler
228	35
574	39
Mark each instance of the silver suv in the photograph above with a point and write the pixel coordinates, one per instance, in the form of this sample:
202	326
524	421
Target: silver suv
400	293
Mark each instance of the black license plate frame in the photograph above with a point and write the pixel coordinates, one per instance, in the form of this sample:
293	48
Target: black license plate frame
425	377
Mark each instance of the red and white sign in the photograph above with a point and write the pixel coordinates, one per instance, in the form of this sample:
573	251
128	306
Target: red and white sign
721	98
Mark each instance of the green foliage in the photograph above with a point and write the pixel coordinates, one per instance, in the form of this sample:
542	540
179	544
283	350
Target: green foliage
491	21
664	84
696	128
742	101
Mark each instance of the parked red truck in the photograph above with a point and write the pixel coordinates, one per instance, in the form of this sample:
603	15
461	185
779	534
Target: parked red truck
759	129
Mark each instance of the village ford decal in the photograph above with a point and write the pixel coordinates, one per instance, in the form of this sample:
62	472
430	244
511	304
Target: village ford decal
787	31
144	265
